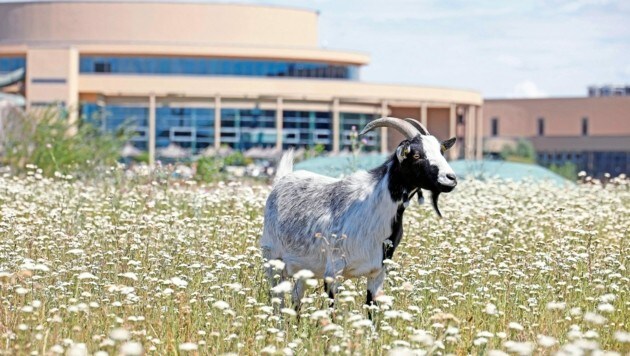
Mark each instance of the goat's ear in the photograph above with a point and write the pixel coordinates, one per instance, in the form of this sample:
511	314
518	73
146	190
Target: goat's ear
446	144
403	150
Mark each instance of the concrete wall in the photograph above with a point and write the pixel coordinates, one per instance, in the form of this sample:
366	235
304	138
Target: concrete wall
52	77
607	116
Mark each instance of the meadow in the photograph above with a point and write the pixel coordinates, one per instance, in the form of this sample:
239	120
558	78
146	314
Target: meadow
133	265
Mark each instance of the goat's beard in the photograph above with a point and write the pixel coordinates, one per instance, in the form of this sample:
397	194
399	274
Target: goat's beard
435	194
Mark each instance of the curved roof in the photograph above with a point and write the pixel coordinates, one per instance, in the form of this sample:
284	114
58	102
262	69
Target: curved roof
156	22
254	87
156	27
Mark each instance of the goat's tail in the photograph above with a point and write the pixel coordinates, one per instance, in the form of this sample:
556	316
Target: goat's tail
285	166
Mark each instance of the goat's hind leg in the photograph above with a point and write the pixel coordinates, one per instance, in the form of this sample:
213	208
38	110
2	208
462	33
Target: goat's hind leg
298	293
374	290
334	269
274	275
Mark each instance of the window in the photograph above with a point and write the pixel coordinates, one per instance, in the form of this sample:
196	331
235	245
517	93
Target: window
9	64
495	126
215	67
585	126
102	67
541	126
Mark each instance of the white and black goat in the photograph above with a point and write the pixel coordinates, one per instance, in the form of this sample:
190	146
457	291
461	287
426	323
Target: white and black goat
348	226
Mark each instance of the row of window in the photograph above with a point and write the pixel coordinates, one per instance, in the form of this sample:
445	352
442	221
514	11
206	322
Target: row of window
240	128
595	163
540	128
9	64
216	67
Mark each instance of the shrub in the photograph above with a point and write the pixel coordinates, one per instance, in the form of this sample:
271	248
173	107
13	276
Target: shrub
46	139
209	169
567	170
236	159
524	152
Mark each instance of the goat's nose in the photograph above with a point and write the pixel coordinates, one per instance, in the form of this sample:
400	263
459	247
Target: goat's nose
451	176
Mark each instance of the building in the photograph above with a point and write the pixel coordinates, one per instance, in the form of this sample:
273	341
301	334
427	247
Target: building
204	75
609	90
593	133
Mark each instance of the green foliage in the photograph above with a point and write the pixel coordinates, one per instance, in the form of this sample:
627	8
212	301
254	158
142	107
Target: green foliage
209	169
567	170
46	139
142	158
314	151
524	152
237	159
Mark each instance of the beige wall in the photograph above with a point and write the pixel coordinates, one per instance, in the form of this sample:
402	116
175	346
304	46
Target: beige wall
438	120
52	76
157	23
607	116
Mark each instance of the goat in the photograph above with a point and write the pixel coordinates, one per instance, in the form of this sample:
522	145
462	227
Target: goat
349	226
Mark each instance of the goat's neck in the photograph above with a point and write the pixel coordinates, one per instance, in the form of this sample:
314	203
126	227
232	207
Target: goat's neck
390	177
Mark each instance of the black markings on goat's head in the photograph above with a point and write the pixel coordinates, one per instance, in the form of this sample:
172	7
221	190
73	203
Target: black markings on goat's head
421	157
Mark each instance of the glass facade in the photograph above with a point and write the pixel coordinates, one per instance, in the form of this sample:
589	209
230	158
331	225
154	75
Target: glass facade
370	140
9	64
242	129
216	67
594	163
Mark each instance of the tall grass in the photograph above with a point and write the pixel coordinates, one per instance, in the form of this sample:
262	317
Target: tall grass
47	139
122	266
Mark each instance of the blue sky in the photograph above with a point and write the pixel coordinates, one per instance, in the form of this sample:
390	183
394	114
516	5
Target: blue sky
502	48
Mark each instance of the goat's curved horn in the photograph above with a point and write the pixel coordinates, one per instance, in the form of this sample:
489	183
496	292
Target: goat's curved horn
403	127
423	130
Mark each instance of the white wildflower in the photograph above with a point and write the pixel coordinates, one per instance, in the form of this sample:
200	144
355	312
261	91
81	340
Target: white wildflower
282	287
188	346
277	265
132	349
556	305
491	309
546	341
119	334
129	275
87	275
521	348
622	336
304	274
606	308
179	282
594	318
221	305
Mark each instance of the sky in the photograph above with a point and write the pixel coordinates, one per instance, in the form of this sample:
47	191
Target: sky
527	48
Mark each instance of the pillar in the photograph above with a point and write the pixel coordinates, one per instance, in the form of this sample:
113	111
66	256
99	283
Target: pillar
217	122
279	123
471	135
479	127
452	131
152	130
384	113
335	125
424	115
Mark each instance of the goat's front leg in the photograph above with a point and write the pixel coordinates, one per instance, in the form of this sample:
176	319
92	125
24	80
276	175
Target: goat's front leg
374	289
298	293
